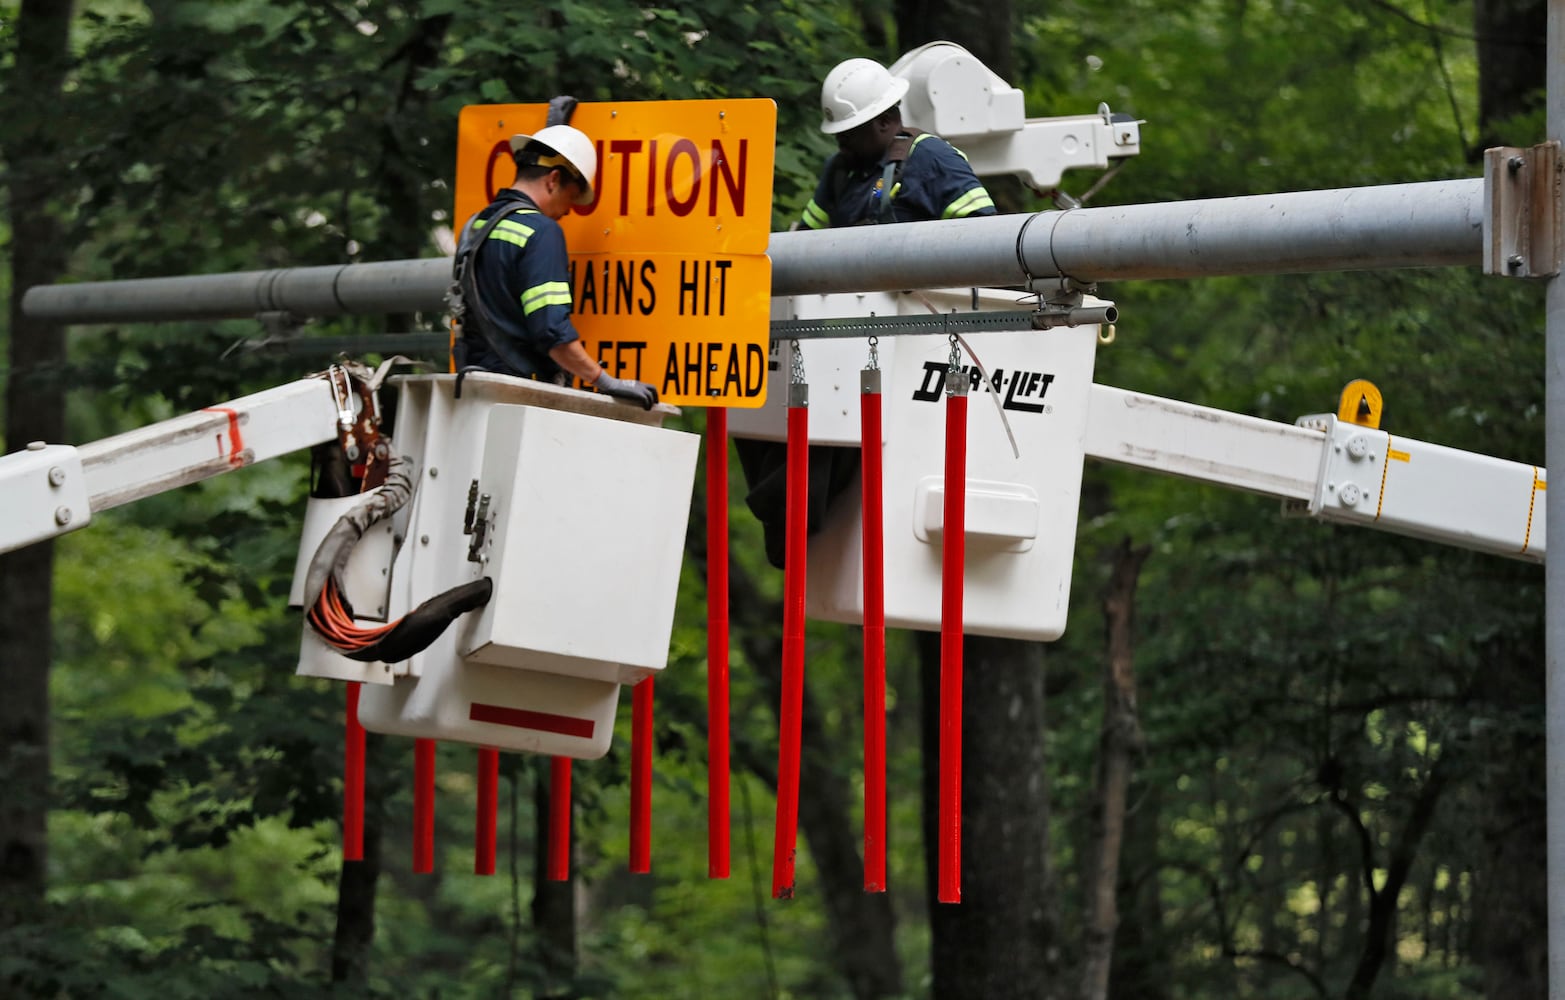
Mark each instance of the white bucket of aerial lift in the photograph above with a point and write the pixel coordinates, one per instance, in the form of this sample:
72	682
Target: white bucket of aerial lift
585	563
587	505
1021	511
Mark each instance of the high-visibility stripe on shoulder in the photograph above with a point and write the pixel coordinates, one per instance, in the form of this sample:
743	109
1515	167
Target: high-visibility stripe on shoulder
926	135
815	217
512	231
548	293
974	200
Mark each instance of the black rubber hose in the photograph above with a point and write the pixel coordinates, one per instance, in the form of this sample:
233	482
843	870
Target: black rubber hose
418	628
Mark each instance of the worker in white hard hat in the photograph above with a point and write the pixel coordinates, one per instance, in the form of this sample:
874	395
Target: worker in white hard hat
512	272
884	171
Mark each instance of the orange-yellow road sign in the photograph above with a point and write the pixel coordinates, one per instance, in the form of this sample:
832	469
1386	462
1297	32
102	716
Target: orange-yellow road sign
673	176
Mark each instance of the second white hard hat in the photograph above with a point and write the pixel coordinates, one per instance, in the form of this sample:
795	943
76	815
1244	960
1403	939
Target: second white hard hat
571	148
855	91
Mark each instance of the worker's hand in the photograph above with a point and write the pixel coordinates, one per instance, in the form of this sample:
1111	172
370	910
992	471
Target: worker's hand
639	393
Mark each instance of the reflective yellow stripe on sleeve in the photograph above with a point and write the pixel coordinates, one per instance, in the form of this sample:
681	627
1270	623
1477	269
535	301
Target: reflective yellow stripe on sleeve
815	217
550	293
971	202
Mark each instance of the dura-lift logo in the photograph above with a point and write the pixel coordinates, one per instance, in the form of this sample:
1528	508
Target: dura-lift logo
1024	390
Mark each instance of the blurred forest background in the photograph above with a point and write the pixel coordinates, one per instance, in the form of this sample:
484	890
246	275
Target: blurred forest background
1334	747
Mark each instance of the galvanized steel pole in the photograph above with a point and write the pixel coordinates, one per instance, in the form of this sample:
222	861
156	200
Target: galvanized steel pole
1433	224
344	289
1554	562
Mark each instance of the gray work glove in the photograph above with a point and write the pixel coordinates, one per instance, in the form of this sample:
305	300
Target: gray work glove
639	393
560	110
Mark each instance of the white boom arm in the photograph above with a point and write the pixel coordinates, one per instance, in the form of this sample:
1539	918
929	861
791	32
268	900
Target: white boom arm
50	489
1330	469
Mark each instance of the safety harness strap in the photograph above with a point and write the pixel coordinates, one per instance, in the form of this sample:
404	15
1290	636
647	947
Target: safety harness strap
463	291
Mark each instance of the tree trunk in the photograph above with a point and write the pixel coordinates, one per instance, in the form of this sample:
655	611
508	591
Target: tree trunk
34	411
1141	955
356	886
554	903
354	935
1512	65
862	942
983	27
1380	932
873	18
400	178
355	930
1118	745
1514	951
1000	941
1512	58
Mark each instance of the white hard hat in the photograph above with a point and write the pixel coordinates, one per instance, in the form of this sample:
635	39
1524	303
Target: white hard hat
571	148
855	92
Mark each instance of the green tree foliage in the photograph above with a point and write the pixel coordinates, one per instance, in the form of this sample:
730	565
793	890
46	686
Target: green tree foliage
1343	729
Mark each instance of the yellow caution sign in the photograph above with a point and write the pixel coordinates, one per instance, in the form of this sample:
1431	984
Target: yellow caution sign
1360	403
670	282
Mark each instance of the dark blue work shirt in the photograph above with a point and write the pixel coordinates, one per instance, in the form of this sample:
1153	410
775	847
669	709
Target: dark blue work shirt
935	182
522	277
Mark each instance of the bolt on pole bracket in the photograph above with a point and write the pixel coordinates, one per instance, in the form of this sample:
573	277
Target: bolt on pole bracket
1522	212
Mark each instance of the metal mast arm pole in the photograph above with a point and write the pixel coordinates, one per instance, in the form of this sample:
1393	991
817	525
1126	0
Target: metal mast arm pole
1554	563
1430	224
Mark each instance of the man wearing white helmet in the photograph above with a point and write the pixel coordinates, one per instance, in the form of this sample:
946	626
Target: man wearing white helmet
883	171
514	272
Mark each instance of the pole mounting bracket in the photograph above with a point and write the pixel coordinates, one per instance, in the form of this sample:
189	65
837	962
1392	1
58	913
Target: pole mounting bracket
1522	211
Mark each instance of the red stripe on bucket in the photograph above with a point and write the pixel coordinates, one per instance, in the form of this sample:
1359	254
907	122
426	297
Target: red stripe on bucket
521	718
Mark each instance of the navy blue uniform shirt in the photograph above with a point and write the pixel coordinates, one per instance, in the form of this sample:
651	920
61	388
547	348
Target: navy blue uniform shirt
522	277
936	182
